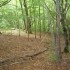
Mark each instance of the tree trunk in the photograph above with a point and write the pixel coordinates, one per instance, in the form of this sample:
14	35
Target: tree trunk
28	25
68	32
21	4
39	20
63	22
58	48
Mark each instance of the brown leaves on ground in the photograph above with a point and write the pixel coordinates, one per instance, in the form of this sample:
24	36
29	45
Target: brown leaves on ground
15	48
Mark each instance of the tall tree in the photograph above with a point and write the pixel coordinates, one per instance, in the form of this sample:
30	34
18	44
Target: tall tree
21	4
58	49
39	20
64	7
27	17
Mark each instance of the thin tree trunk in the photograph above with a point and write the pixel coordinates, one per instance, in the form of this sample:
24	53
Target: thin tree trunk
21	3
39	21
34	20
17	19
44	26
68	29
28	18
58	48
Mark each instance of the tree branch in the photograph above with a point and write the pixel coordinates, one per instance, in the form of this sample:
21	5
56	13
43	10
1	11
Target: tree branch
54	1
68	8
46	7
66	5
4	3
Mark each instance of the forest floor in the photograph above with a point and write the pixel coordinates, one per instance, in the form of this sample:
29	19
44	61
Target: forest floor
19	53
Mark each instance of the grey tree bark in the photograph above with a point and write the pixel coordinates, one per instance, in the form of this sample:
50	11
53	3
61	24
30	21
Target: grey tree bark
58	48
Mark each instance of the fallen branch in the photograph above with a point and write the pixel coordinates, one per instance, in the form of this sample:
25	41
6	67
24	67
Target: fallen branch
20	59
38	53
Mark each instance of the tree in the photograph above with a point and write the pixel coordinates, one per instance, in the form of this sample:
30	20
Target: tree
58	49
64	7
28	25
21	4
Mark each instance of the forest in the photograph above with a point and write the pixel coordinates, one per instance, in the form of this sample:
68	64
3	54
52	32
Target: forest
34	34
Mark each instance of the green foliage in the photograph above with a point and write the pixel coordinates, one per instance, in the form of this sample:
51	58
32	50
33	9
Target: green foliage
3	25
42	14
4	2
54	57
11	14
